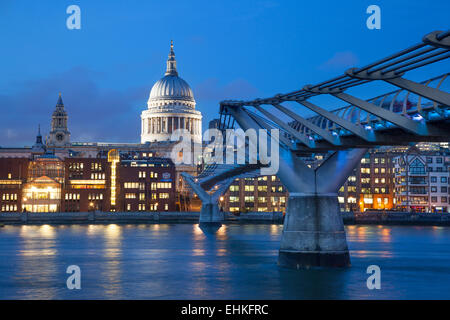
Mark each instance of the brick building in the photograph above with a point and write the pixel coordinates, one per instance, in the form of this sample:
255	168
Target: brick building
147	184
119	182
13	175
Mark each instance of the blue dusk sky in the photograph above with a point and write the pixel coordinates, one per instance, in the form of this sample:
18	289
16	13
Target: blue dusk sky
233	49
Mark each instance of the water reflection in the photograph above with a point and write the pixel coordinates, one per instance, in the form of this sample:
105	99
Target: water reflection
385	234
313	283
113	254
210	228
37	253
178	261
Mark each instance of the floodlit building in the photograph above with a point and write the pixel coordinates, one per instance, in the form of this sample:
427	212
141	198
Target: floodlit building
42	191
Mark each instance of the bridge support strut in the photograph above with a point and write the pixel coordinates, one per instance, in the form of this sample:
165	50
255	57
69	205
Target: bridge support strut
211	217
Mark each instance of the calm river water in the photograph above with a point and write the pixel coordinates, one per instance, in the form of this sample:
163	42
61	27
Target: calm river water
177	261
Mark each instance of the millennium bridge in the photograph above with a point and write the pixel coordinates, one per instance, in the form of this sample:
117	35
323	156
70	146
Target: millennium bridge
313	234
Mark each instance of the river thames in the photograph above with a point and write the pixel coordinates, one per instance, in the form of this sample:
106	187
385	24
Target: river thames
178	261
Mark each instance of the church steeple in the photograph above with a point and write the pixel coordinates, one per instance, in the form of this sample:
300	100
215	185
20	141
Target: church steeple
38	147
171	62
39	136
59	134
60	102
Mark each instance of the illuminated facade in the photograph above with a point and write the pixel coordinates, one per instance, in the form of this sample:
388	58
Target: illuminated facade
42	192
113	159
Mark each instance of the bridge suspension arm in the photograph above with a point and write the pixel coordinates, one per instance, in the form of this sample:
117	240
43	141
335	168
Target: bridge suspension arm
308	124
347	125
299	136
401	121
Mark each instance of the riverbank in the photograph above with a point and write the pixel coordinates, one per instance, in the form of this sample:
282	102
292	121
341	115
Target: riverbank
129	217
397	218
373	218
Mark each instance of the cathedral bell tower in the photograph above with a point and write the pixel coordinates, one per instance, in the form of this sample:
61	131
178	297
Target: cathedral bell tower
59	135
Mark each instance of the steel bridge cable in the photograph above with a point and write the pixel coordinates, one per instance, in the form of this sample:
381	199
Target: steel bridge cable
443	35
407	57
393	56
355	84
425	63
345	79
329	81
419	59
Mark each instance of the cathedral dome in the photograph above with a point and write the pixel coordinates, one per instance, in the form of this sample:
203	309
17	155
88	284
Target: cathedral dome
171	87
171	106
171	90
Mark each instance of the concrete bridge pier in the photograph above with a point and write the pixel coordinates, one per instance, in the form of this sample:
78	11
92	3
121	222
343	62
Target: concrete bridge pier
210	217
313	234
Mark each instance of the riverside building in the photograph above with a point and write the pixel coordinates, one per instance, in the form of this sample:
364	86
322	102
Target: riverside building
422	181
119	182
